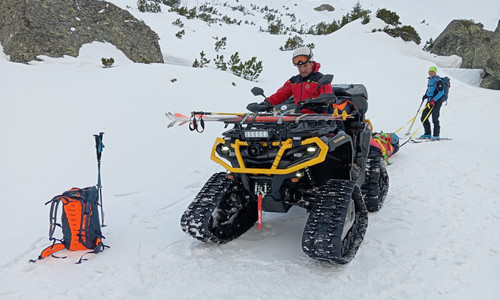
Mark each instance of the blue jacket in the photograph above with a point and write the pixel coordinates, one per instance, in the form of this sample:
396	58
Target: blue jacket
435	88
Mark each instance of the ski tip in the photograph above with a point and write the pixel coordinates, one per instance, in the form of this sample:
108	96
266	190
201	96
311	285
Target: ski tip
179	115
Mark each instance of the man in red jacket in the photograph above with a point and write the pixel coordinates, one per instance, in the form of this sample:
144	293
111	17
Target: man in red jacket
303	85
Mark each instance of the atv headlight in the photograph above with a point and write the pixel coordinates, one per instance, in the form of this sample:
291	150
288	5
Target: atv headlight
311	149
225	149
301	154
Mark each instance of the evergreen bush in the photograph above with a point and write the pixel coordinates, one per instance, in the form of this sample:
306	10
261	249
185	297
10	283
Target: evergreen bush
180	34
388	17
428	45
292	43
203	62
220	44
407	33
107	62
178	23
149	6
219	63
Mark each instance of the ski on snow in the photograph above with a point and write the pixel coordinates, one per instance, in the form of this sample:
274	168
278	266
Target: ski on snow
420	140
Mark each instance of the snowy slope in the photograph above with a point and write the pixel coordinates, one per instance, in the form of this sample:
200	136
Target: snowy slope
437	236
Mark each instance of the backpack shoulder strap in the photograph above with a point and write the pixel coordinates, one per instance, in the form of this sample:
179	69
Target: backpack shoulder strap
53	214
89	199
437	80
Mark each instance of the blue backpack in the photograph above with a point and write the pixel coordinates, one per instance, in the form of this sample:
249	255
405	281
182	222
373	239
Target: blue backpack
446	85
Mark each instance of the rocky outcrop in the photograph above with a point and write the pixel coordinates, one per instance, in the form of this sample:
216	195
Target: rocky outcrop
479	48
323	7
60	27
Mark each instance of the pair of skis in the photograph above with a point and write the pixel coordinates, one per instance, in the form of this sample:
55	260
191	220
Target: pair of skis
198	119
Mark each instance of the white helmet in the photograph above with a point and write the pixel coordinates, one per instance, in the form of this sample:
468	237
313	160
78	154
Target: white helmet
302	55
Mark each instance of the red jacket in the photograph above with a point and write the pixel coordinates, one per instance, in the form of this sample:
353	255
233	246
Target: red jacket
301	88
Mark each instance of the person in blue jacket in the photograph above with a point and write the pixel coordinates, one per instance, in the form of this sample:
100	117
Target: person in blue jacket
434	96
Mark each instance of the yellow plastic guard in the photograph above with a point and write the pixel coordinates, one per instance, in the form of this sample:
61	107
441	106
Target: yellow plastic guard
274	168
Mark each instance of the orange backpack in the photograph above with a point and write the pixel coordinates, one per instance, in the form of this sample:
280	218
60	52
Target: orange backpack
80	222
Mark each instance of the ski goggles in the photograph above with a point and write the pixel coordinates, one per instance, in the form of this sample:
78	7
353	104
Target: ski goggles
300	60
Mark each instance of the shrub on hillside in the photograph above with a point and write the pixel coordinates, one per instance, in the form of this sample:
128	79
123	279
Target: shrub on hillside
407	33
202	62
292	43
107	62
388	17
219	63
428	45
249	70
220	44
277	27
180	34
178	23
357	12
149	6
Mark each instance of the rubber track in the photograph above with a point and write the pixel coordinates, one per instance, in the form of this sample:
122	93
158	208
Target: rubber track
206	218
376	183
328	208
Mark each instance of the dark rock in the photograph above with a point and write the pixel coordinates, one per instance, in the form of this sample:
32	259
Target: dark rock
490	82
60	27
479	48
323	7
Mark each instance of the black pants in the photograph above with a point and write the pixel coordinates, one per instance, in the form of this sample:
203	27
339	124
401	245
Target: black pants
435	119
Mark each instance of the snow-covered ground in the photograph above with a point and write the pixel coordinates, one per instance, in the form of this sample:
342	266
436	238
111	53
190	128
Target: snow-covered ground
437	236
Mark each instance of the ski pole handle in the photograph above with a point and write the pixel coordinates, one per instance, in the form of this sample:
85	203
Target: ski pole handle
98	145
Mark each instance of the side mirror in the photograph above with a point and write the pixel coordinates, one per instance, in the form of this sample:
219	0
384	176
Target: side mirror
257	91
326	79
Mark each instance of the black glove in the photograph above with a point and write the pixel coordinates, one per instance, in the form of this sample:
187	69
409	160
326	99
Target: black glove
264	106
424	97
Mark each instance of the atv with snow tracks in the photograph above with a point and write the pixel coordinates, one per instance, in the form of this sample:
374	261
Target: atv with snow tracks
278	160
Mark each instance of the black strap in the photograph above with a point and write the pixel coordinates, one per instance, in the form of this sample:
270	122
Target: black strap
53	214
100	247
193	124
84	221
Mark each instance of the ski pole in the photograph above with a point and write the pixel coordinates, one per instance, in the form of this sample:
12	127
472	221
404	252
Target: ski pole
99	146
418	110
411	136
